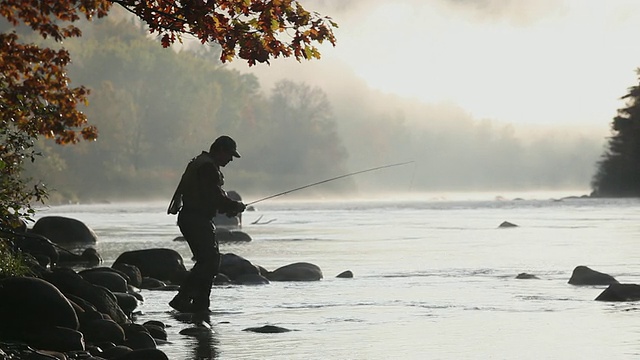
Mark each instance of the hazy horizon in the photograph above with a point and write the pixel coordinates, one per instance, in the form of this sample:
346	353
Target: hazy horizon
491	96
547	76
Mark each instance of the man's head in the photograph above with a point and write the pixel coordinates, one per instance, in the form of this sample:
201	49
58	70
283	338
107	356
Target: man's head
224	149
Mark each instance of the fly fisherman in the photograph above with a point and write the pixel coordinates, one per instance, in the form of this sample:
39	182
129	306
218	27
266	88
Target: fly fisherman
197	199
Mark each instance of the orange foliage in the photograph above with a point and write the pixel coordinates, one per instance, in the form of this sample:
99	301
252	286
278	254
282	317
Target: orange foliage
34	92
254	30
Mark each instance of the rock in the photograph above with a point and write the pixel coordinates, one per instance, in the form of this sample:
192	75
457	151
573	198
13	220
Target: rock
160	263
267	329
104	277
31	303
221	279
154	323
300	271
195	331
223	221
132	271
251	279
116	352
152	284
89	257
69	282
140	340
506	224
127	302
620	292
583	275
56	338
85	311
63	230
40	247
135	292
234	266
158	332
224	235
102	330
526	276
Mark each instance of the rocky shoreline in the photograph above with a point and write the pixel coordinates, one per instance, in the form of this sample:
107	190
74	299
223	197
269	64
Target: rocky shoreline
71	307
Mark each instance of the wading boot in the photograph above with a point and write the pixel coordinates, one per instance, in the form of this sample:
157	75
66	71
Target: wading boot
182	303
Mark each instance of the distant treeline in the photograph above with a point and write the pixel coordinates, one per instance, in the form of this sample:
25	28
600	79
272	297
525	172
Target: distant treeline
156	108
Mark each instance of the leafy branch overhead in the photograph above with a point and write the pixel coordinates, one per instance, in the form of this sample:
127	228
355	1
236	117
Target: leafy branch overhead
36	98
254	30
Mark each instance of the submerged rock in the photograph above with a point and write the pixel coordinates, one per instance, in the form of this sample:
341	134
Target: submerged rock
526	276
267	329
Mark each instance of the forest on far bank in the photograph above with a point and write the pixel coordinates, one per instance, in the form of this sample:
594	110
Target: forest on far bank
156	109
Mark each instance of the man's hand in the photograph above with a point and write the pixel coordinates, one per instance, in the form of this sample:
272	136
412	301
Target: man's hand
240	207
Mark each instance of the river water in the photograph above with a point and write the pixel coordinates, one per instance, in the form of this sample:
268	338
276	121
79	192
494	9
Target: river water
434	278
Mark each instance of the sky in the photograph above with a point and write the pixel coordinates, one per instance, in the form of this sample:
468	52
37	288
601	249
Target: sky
546	63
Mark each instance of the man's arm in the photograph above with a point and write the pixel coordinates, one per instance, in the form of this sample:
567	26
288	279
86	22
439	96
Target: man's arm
216	195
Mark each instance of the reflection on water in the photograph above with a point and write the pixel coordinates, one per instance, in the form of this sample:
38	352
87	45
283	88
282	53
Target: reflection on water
202	338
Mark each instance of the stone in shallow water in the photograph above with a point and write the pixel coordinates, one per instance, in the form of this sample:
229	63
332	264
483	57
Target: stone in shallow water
506	224
267	329
197	330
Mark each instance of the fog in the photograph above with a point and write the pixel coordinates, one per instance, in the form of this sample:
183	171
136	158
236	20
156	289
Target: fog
497	94
486	97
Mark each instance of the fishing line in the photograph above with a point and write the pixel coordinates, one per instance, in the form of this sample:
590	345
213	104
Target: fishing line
327	180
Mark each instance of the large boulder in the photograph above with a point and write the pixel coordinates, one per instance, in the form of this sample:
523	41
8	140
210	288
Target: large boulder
225	235
31	304
583	275
160	263
106	277
69	282
235	266
40	247
56	338
132	271
64	230
103	330
89	257
300	271
620	292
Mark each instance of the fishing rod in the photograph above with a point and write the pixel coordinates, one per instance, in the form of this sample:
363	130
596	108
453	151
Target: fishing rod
327	180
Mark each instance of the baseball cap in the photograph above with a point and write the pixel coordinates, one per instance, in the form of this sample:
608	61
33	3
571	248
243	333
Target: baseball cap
226	143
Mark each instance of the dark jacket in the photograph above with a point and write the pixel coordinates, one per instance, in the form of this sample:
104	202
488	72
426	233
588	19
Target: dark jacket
200	189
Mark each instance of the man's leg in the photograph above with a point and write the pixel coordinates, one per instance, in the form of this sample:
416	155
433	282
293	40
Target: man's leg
195	291
205	269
